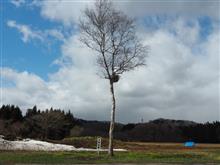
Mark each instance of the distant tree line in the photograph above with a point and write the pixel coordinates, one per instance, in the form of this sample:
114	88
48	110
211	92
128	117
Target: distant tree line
48	124
8	112
208	132
160	130
55	124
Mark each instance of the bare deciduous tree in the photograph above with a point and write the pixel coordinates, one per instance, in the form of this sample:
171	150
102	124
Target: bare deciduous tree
112	34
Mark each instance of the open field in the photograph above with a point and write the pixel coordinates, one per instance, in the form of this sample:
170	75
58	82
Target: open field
90	142
138	153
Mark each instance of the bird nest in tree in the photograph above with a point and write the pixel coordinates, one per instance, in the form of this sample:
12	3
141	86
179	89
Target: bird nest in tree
115	78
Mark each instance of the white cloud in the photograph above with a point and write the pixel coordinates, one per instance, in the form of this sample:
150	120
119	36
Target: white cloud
28	89
178	82
171	8
182	29
26	31
65	11
68	12
55	33
29	34
17	3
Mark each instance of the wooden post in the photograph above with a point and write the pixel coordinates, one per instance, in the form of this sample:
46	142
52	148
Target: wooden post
99	144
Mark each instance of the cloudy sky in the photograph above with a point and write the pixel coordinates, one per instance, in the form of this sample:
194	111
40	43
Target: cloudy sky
43	62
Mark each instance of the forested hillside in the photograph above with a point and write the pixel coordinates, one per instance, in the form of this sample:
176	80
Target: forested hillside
55	124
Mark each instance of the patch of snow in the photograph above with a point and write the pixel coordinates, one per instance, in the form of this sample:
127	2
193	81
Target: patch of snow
36	145
91	149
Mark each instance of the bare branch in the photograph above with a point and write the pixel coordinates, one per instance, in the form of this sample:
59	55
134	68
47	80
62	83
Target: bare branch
112	34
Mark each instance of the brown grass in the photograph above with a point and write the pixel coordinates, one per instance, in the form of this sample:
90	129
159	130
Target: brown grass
90	142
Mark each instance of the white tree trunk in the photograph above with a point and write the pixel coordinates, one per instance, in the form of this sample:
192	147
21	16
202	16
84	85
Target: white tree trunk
112	123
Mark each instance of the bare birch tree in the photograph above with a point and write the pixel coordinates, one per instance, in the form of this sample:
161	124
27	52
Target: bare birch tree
112	35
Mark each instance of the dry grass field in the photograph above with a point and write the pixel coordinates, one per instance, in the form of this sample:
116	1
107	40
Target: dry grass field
90	142
138	152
